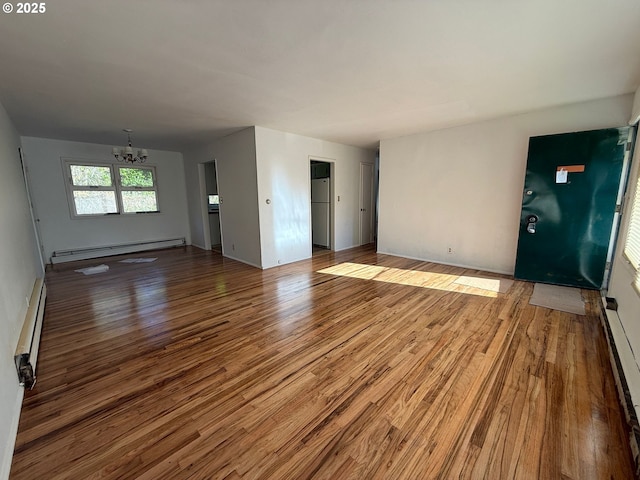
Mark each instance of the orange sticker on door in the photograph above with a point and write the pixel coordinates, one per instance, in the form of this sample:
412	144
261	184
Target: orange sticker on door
571	168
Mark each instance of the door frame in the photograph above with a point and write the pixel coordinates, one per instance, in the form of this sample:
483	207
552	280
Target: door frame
617	216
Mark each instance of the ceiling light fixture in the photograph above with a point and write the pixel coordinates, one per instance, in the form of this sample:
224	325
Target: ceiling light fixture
126	154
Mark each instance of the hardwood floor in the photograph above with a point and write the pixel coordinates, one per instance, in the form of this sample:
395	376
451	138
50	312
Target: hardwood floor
348	365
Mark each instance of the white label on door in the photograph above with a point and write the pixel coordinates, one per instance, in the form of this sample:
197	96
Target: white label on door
561	176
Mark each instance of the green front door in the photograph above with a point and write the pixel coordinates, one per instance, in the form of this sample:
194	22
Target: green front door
568	206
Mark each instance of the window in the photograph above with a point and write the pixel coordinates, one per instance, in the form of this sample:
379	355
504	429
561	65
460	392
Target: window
93	189
632	244
214	200
137	190
98	189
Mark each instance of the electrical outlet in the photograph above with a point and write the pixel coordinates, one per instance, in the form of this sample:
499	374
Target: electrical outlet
449	250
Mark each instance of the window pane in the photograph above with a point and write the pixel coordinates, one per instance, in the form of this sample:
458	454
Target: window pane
136	177
144	201
95	202
90	176
214	200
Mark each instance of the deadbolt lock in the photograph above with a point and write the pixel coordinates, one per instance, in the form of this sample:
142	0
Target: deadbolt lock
531	221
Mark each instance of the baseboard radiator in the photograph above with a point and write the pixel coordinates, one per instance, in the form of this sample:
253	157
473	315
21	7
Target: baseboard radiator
60	256
26	356
622	386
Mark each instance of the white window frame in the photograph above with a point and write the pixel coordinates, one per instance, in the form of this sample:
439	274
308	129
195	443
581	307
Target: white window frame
116	186
121	188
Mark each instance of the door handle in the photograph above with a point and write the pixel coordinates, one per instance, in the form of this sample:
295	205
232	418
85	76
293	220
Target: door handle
531	222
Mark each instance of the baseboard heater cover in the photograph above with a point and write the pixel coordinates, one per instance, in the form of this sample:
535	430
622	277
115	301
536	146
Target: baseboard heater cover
624	393
60	256
26	356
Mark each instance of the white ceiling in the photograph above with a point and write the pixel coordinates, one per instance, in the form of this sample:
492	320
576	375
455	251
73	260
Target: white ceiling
352	71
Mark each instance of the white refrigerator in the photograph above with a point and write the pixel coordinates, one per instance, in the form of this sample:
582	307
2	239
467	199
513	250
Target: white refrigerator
320	212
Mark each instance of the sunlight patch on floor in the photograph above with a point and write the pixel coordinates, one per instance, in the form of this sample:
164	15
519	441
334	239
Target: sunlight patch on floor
413	278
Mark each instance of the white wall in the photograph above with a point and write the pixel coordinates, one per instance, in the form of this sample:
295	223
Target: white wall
283	165
257	164
462	187
61	232
625	326
19	267
237	187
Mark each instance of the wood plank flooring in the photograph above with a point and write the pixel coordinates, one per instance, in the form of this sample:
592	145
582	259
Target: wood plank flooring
349	365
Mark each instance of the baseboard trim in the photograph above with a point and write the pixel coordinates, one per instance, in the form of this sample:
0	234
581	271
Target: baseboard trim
440	262
242	261
87	253
624	394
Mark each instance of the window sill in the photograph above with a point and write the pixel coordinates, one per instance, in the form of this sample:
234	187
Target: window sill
112	215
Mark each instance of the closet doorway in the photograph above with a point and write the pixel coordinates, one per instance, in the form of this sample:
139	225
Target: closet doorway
322	211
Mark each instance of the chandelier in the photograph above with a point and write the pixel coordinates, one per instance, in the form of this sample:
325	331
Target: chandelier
126	154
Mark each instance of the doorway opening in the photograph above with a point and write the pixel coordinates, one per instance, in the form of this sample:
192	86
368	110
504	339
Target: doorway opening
211	217
322	209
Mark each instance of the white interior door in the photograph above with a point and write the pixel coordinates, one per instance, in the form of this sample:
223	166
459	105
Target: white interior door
366	203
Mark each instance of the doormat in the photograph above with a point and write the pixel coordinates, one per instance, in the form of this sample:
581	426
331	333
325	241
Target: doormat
499	285
93	270
565	299
139	260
